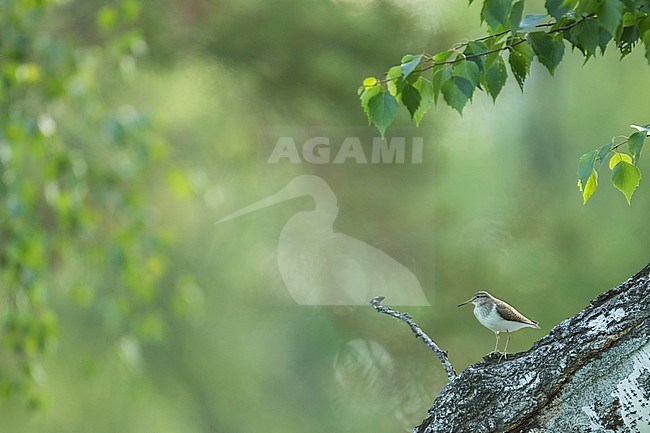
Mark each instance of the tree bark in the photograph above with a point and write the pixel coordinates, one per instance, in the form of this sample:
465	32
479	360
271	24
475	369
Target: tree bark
591	373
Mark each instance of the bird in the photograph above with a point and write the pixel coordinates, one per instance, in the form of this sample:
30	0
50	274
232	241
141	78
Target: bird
498	316
322	267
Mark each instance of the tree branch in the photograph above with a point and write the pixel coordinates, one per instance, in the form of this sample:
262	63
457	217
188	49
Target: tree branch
442	355
590	373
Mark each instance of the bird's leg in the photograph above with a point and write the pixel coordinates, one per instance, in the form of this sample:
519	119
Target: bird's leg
505	350
496	346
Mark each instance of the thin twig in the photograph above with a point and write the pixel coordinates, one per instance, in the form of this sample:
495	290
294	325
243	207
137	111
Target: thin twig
442	355
464	57
510	46
617	145
502	33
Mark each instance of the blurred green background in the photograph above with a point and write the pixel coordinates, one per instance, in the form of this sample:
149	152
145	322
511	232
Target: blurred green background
129	128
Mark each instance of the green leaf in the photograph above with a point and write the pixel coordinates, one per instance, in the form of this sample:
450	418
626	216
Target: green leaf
365	96
382	109
516	13
457	92
627	39
635	144
603	40
495	77
409	63
587	36
411	98
425	88
609	15
531	21
467	70
590	186
586	166
626	178
549	50
441	74
443	56
394	80
474	48
646	42
407	58
492	57
496	14
370	82
460	87
586	7
617	158
629	19
557	8
520	57
602	153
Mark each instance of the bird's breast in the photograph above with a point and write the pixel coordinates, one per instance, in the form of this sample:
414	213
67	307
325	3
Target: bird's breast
489	317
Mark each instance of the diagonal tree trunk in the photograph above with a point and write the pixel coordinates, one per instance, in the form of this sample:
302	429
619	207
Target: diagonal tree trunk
591	373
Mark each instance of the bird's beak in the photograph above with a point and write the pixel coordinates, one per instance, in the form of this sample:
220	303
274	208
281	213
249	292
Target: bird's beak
465	303
284	194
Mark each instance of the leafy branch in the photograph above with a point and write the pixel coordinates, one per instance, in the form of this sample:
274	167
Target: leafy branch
586	25
423	62
625	172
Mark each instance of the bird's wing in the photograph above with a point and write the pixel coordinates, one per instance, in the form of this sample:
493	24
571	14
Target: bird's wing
509	313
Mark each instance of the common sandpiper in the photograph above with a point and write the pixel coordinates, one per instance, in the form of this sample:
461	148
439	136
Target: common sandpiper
498	316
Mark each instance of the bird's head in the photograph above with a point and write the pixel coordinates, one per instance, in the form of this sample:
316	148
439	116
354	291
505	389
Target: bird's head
479	298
